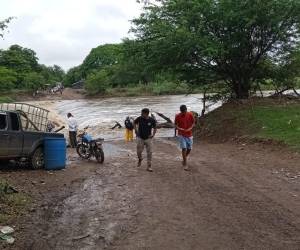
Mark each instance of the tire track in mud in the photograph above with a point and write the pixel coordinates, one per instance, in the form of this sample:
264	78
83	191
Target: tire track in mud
97	213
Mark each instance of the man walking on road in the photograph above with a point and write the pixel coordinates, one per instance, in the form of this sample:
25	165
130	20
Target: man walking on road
184	122
72	123
145	129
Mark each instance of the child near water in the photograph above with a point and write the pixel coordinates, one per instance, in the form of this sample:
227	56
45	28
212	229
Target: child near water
128	129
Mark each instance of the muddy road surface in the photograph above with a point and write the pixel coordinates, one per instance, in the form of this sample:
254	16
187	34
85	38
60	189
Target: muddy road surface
235	197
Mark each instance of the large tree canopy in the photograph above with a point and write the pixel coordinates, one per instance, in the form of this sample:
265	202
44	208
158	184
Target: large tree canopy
22	60
8	79
214	40
102	56
20	69
99	58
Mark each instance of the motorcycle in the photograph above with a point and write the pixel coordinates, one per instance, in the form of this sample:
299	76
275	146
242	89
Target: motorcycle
88	147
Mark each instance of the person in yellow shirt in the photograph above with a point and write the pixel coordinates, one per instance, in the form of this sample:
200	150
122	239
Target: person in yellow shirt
128	129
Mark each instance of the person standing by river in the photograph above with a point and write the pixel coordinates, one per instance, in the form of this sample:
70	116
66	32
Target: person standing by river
129	128
73	126
185	122
145	129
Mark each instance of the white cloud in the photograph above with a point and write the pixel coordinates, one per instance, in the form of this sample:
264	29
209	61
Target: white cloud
64	31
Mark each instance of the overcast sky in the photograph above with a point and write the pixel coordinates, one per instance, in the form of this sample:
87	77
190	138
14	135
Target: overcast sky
63	32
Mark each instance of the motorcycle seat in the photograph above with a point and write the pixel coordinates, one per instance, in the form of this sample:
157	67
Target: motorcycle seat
98	140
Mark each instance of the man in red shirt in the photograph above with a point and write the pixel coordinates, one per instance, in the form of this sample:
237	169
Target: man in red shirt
185	122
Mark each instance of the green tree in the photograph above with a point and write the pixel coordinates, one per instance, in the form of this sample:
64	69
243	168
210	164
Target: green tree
212	40
98	82
8	79
107	57
34	81
22	64
285	73
21	60
51	74
133	67
57	72
101	57
73	75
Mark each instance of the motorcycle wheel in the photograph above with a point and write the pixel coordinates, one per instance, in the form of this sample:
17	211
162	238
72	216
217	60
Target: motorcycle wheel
83	151
99	155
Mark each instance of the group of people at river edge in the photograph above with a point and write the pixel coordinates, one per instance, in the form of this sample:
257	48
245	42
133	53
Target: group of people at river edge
145	128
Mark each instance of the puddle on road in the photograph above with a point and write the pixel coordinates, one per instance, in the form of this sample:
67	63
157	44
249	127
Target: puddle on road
96	213
110	151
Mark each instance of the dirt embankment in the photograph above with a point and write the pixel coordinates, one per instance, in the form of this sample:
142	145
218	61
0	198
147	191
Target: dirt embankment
235	197
237	121
67	94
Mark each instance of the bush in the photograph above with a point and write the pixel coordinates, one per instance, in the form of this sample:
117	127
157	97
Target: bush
165	88
97	83
33	80
8	79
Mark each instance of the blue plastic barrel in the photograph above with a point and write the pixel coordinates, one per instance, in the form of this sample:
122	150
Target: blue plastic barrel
55	153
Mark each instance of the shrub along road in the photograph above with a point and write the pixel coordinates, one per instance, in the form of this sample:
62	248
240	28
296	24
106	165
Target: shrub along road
235	197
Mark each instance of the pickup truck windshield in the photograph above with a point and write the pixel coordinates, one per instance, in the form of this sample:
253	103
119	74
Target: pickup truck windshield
3	121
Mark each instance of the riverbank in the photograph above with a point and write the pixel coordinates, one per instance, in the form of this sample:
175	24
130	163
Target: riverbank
152	89
25	96
141	90
266	120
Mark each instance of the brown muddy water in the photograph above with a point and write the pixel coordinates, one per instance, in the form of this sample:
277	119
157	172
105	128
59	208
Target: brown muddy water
101	114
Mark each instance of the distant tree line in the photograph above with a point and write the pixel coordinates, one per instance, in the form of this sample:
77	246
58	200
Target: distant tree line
19	69
228	47
118	65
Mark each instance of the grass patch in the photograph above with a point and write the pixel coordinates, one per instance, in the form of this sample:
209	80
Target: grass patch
281	123
12	204
266	119
151	89
6	99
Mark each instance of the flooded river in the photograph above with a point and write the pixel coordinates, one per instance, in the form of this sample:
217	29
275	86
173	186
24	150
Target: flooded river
101	114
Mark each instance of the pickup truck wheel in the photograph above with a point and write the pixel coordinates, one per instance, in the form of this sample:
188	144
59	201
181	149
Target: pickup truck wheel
37	159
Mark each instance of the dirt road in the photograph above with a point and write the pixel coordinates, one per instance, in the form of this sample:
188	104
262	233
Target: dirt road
235	197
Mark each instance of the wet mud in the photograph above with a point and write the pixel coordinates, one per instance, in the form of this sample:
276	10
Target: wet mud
231	199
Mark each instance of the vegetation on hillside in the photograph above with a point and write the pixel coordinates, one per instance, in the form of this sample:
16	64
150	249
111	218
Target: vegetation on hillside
19	69
243	45
256	118
229	47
